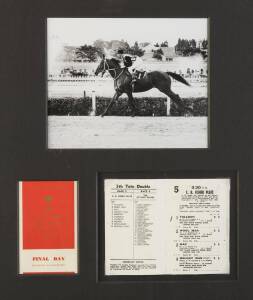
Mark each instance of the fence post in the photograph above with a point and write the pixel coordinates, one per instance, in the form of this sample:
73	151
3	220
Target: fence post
93	103
168	106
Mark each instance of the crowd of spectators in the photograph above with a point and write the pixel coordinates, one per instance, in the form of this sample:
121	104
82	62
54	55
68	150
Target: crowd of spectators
79	73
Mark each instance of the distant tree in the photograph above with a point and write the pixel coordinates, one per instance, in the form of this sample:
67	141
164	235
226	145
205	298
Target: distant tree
177	47
88	52
159	51
135	50
164	44
204	44
186	47
193	44
157	54
156	45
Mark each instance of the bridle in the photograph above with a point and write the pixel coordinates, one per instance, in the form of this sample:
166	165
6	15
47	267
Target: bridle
106	67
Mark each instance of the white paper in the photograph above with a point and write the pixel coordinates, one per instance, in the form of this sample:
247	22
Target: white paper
167	226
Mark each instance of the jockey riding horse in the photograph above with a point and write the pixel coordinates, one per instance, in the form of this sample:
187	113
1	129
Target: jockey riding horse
127	83
128	61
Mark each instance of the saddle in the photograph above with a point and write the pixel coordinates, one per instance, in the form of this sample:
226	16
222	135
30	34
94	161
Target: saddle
139	74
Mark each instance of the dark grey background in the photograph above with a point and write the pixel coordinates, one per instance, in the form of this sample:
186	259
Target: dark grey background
24	155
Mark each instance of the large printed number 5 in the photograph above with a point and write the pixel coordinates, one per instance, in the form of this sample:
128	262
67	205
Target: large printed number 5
176	189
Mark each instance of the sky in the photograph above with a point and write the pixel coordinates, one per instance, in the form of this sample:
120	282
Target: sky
79	31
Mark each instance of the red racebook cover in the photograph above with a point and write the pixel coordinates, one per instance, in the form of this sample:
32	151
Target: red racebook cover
48	226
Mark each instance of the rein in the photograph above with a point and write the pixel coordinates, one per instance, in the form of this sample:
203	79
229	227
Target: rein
112	69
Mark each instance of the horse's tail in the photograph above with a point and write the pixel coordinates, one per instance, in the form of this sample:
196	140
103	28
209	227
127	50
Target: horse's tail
178	78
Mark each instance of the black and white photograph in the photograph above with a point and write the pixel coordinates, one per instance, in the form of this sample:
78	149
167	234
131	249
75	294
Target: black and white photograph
115	83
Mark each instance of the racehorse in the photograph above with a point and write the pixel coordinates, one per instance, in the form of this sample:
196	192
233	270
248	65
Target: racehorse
123	83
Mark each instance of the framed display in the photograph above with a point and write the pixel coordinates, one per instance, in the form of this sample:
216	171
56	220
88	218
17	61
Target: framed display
152	96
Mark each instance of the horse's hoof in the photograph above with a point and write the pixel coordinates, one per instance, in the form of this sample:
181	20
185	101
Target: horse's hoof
102	115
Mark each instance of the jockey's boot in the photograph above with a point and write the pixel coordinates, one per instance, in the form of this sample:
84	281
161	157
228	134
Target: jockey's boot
133	83
134	79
